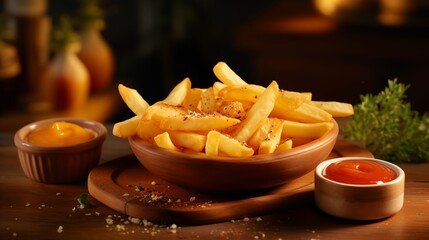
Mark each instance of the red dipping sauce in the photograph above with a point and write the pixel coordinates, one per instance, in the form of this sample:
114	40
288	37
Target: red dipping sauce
359	172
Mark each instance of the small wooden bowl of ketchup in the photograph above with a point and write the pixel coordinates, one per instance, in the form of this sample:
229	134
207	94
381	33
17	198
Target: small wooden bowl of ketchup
359	188
60	150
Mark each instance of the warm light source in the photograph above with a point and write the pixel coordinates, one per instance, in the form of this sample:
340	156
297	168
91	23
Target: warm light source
341	7
383	12
394	12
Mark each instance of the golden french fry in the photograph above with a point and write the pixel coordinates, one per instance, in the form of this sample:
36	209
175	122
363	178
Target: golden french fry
260	135
286	145
179	92
305	130
217	86
336	109
190	151
289	100
305	113
248	92
226	75
270	144
163	140
230	118
257	114
232	109
188	140
232	147
298	141
307	95
286	101
212	143
148	129
161	110
197	122
208	101
126	128
133	99
192	100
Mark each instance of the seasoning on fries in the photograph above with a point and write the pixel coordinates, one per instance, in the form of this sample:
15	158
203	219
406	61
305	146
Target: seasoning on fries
230	118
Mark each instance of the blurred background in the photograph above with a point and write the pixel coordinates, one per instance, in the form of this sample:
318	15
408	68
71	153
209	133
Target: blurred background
335	49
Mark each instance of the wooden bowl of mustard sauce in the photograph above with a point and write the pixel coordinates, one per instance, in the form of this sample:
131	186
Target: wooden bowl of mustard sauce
60	150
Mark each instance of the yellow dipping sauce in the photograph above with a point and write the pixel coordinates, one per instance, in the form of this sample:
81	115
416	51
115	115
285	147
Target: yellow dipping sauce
59	134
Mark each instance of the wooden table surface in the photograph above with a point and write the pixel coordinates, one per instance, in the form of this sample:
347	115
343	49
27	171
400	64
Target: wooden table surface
31	210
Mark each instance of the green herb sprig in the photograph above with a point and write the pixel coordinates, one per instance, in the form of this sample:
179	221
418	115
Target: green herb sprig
64	34
90	14
386	125
83	200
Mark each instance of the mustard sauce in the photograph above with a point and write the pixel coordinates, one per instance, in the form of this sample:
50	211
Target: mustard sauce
59	134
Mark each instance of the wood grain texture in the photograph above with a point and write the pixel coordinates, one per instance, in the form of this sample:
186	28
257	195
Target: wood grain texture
115	184
31	210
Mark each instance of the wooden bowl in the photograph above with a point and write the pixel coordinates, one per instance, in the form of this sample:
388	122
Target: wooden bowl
60	164
230	174
359	201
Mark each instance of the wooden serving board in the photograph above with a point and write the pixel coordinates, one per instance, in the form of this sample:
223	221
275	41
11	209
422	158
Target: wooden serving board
127	187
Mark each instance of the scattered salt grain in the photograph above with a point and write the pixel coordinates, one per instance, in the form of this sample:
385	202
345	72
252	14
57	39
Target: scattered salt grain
109	221
120	227
60	229
134	220
173	228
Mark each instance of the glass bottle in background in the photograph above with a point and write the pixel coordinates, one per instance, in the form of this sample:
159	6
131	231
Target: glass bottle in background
30	27
66	77
96	53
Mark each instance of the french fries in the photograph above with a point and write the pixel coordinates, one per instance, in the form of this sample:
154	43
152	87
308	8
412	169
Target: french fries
148	129
179	92
136	104
232	147
196	122
226	75
133	99
304	113
126	128
272	141
305	130
338	109
163	140
212	143
229	118
257	113
189	140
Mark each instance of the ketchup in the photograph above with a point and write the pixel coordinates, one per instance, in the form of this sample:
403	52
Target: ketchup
359	172
59	134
